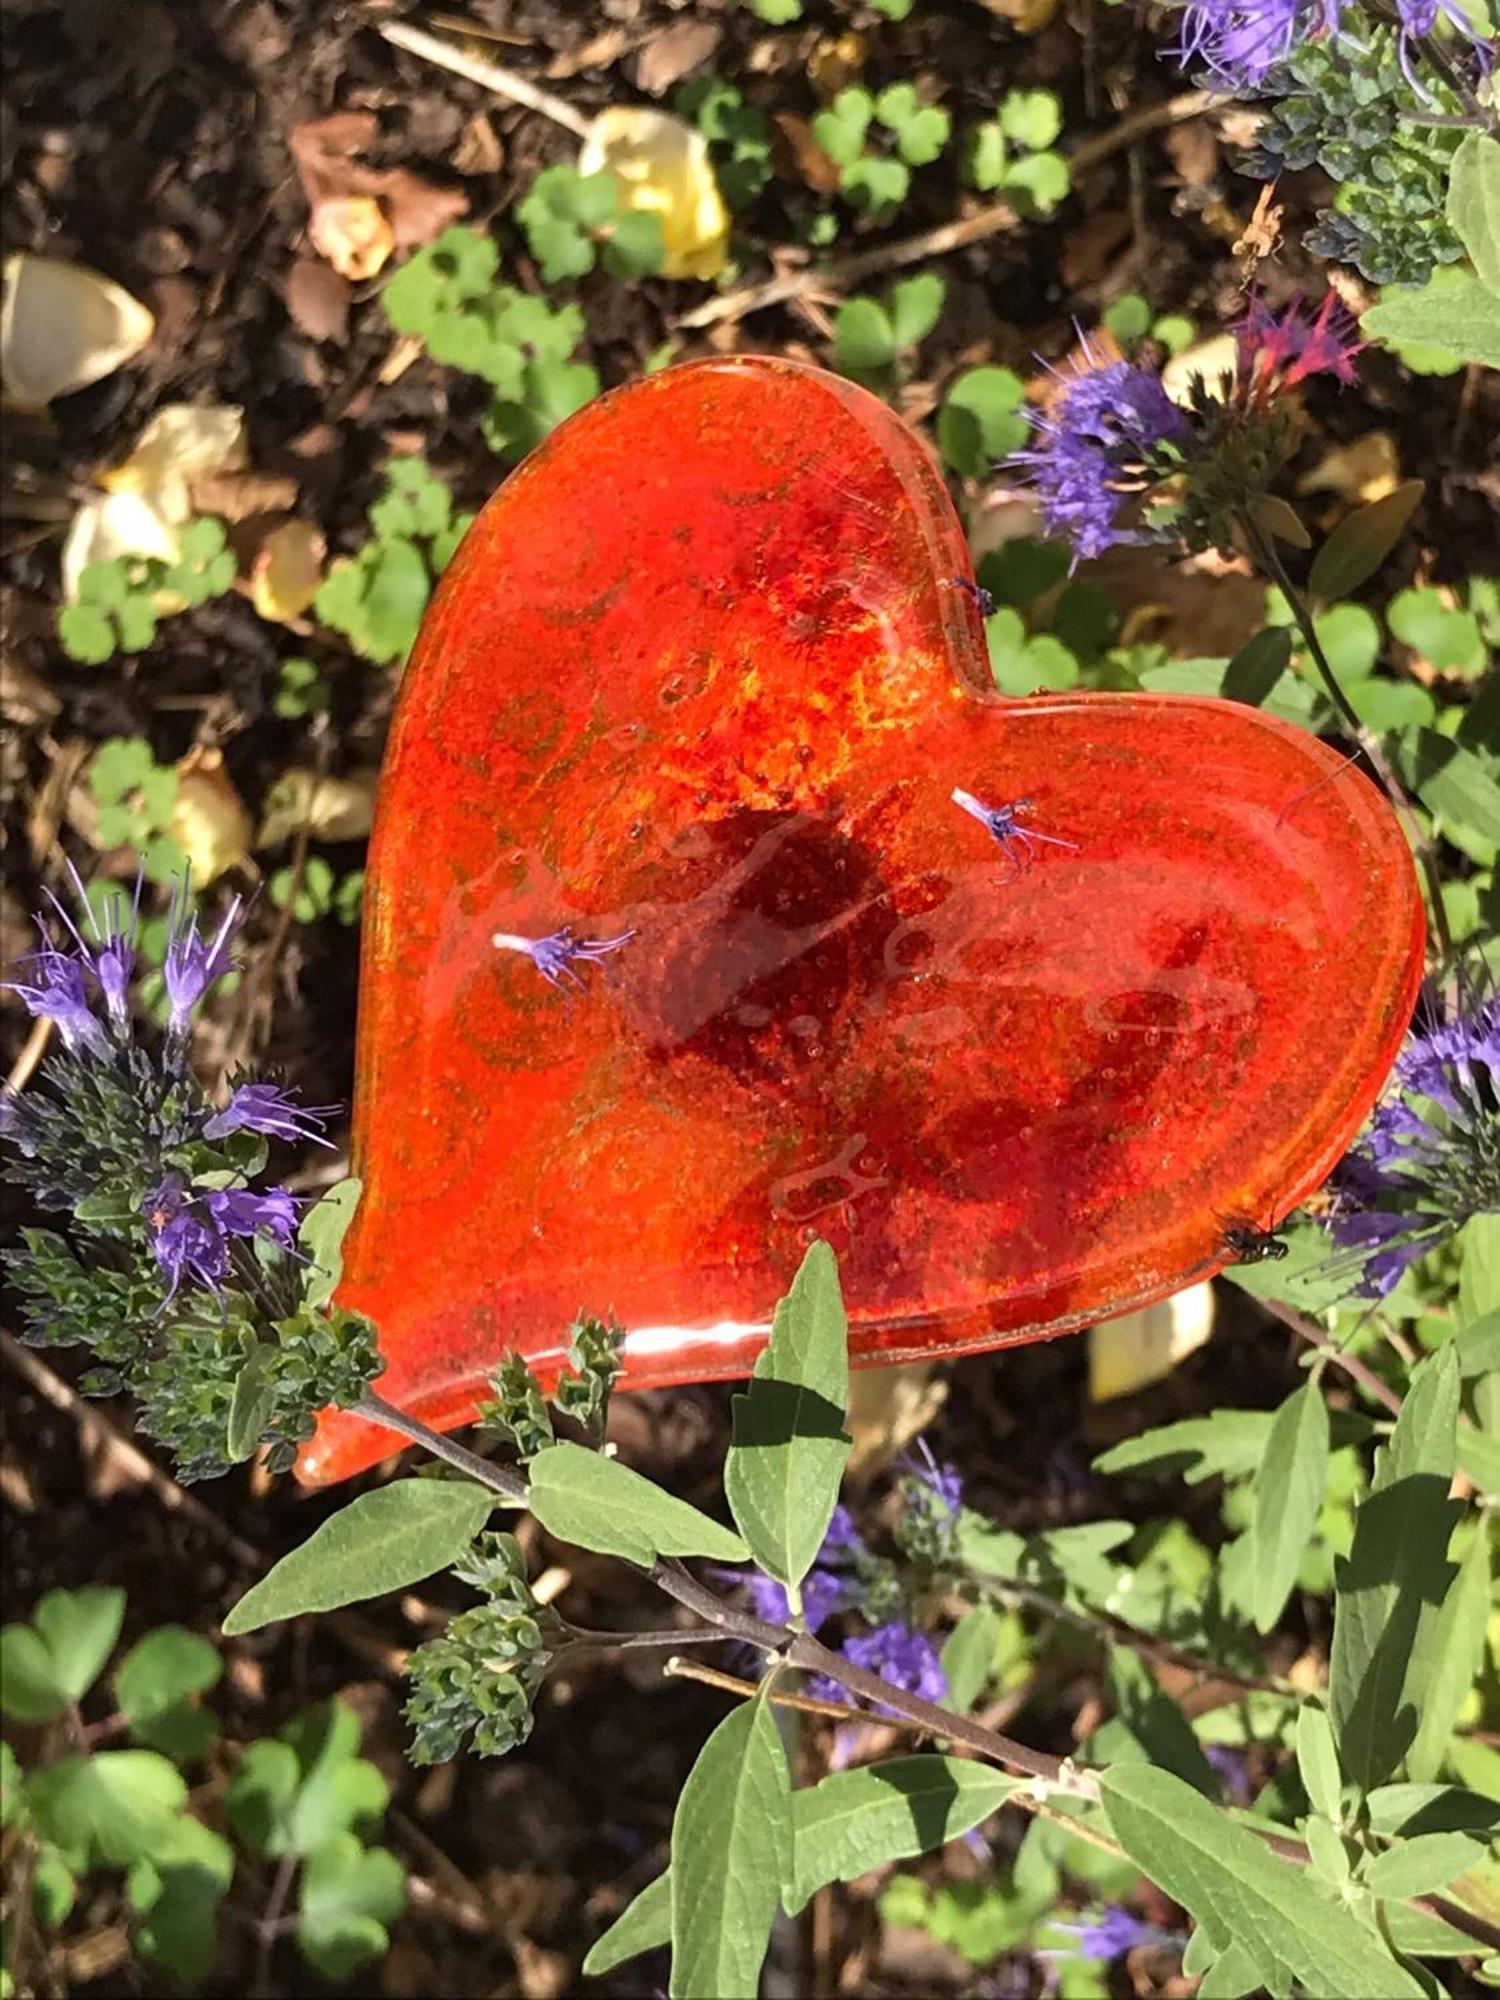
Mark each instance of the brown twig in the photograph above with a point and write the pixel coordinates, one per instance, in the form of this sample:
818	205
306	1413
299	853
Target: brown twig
1353	1367
490	76
992	220
32	1050
96	1426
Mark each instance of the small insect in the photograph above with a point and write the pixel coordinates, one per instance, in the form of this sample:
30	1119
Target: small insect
553	956
1001	823
1250	1244
984	604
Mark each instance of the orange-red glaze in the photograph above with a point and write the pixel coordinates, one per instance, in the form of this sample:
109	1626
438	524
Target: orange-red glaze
699	671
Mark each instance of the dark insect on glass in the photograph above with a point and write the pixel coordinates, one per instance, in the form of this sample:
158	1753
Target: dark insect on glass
1252	1245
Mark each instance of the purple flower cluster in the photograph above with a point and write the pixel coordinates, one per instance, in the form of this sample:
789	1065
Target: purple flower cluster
1239	41
1430	1159
1112	431
192	1229
1113	1932
902	1655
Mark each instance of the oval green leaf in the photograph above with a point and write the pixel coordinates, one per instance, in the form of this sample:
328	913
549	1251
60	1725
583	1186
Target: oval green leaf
1362	541
596	1503
378	1543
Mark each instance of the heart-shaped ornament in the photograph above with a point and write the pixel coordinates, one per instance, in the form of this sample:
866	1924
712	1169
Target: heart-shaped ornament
701	690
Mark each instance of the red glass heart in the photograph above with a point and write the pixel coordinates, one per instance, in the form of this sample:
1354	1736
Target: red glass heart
702	671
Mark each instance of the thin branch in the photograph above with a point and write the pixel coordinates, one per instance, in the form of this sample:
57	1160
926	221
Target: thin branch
490	76
502	1479
993	220
1353	1367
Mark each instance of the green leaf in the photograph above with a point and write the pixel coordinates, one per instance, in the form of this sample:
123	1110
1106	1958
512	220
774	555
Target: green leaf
1033	118
1473	205
782	1474
1447	639
876	184
380	1542
1129	318
31	1689
321	1235
1318	1761
12	1785
731	1850
864	340
1479	1273
155	1683
982	421
642	1925
1242	1895
1479	1459
1458	1650
112	1807
54	1888
597	1503
296	1790
1452	312
1451	782
1157	1723
1288	1494
1390	1586
176	1893
349	1894
86	634
79	1629
636	246
1362	541
853	1821
969	1654
1411	1809
1258	666
916	305
1042	177
252	1403
1226	1444
841	129
1418	1867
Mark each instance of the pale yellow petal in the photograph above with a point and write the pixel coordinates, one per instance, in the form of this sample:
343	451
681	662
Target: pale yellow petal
1139	1348
287	571
182	442
353	233
209	817
111	526
63	326
663	168
330	808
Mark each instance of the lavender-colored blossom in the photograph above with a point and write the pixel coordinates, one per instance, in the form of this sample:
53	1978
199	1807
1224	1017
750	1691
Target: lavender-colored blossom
192	964
263	1108
944	1482
1113	431
903	1656
111	957
553	956
1430	1159
192	1227
53	988
1114	1932
1232	1768
843	1539
1239	40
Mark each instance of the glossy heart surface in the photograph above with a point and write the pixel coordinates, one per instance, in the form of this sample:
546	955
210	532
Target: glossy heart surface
705	673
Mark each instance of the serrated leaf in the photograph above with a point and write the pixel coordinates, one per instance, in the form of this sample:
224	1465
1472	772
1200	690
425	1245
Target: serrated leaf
112	1807
1242	1895
1226	1444
782	1474
1318	1761
1389	1588
642	1925
853	1821
1418	1867
731	1850
1458	1651
321	1234
1473	205
596	1503
380	1542
1287	1494
1362	541
1452	312
349	1893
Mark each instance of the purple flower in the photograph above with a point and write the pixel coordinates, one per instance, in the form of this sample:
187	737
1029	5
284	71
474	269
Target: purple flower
903	1656
943	1482
1239	40
1114	1932
1113	431
52	988
1430	1159
111	957
1233	1770
191	1227
553	956
843	1538
261	1107
191	965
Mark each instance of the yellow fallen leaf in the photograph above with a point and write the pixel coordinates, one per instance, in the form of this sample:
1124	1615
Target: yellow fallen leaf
1213	359
1027	17
663	168
287	570
182	442
63	326
352	231
1139	1348
330	808
209	817
887	1408
115	525
1368	469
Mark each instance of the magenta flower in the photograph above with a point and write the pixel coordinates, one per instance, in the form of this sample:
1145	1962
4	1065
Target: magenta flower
1278	351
